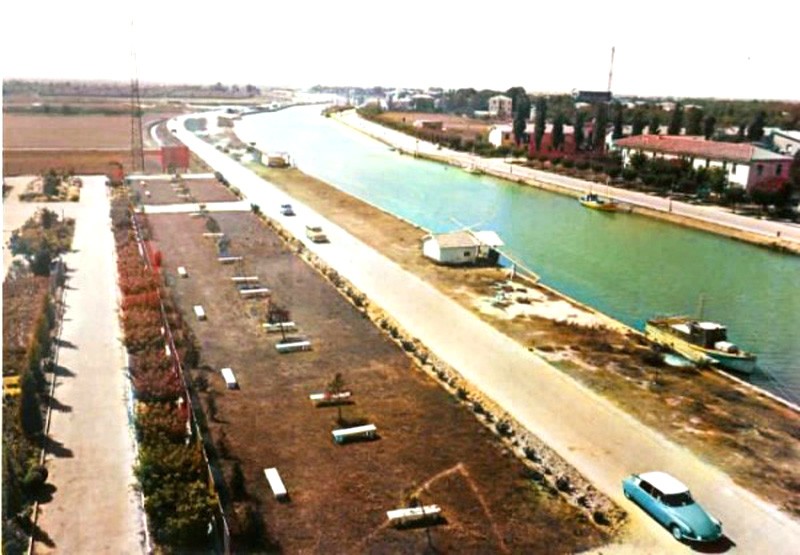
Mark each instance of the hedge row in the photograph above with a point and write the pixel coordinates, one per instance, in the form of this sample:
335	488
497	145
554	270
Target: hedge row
171	469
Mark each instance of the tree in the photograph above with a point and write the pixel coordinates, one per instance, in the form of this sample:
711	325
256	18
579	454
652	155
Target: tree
740	134
717	179
600	123
755	132
637	125
334	388
695	125
580	119
618	112
522	110
655	124
709	125
541	121
676	121
29	411
51	182
238	488
558	132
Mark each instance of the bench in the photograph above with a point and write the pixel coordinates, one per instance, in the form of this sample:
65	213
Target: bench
199	312
182	272
414	514
254	292
279	326
244	279
228	259
292	346
275	483
329	398
358	432
214	234
230	379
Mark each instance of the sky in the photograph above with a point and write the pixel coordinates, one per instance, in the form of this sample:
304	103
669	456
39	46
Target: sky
680	48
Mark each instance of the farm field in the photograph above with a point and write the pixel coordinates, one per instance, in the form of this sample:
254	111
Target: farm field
429	445
163	191
466	127
69	132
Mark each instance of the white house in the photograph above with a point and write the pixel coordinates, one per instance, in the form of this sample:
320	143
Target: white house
462	247
500	106
787	142
744	164
503	134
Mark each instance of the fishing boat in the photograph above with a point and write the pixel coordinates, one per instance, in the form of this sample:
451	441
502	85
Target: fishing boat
595	202
700	341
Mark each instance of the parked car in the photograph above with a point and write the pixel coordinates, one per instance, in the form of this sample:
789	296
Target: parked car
315	233
287	210
667	500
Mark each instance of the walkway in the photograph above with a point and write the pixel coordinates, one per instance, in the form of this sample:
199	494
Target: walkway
601	441
94	508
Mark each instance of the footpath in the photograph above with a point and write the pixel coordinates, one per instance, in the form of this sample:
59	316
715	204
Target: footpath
90	451
711	218
598	439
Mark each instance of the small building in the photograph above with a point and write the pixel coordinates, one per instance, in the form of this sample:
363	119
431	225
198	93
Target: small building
500	106
503	135
463	247
785	142
745	164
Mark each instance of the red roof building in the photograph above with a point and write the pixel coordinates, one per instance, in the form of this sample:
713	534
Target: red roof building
744	163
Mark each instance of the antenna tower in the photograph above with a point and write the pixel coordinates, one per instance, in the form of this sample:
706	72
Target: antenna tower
611	69
137	145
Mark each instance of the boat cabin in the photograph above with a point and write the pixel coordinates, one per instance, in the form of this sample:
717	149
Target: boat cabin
704	334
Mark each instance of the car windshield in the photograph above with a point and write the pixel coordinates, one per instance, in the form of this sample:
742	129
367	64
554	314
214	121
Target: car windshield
678	499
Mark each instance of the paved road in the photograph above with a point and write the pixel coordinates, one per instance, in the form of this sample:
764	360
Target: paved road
91	455
601	441
712	214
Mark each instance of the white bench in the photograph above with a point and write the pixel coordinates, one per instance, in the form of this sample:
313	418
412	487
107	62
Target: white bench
331	398
343	434
293	346
255	292
228	259
213	234
230	379
199	312
244	279
275	483
182	272
413	514
278	326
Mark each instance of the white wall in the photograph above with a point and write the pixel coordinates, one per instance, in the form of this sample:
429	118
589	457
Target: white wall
431	249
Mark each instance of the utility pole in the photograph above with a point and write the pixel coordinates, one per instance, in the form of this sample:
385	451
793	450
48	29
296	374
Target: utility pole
611	69
137	145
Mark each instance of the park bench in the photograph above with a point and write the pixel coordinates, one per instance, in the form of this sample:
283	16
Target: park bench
293	346
321	399
244	279
230	379
279	326
358	432
199	312
414	514
182	272
228	259
254	292
276	484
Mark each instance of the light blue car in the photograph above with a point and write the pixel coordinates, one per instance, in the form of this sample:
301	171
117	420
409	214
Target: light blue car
670	503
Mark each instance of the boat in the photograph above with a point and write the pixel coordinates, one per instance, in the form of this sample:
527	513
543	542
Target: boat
473	169
595	202
700	341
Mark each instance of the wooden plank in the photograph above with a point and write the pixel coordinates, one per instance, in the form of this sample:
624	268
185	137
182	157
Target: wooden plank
229	259
412	514
368	431
230	379
275	483
244	279
293	346
285	326
330	397
256	292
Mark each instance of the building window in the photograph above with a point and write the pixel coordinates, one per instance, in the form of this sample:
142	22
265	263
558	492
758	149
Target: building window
466	254
760	170
779	169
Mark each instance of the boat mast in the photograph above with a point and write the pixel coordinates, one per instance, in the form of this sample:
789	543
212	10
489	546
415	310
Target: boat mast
701	306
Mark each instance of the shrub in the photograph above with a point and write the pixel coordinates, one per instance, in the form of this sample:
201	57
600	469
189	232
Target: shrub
568	163
582	165
614	172
35	478
629	174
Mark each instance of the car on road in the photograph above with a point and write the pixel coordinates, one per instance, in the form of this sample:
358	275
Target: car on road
287	210
668	501
315	233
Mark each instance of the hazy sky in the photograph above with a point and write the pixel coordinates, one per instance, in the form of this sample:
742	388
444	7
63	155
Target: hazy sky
680	48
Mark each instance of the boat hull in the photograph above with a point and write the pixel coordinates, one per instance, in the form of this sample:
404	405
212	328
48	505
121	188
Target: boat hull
603	206
742	363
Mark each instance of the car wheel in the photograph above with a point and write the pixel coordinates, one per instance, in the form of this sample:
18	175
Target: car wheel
627	494
676	532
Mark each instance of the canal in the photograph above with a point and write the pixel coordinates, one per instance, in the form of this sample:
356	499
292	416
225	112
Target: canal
627	266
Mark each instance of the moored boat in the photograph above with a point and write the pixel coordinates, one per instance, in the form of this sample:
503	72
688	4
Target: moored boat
595	202
701	342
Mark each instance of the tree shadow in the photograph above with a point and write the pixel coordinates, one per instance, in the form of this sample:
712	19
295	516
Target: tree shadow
63	343
45	493
63	371
57	449
55	404
37	533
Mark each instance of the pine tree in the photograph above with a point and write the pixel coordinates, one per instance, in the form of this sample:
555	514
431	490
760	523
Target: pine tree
676	121
695	125
541	121
558	132
618	114
637	125
709	125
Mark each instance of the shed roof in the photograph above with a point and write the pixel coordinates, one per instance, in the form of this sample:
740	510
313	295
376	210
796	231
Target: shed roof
465	239
699	147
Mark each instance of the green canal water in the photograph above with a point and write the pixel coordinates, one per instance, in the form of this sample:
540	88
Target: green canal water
627	266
